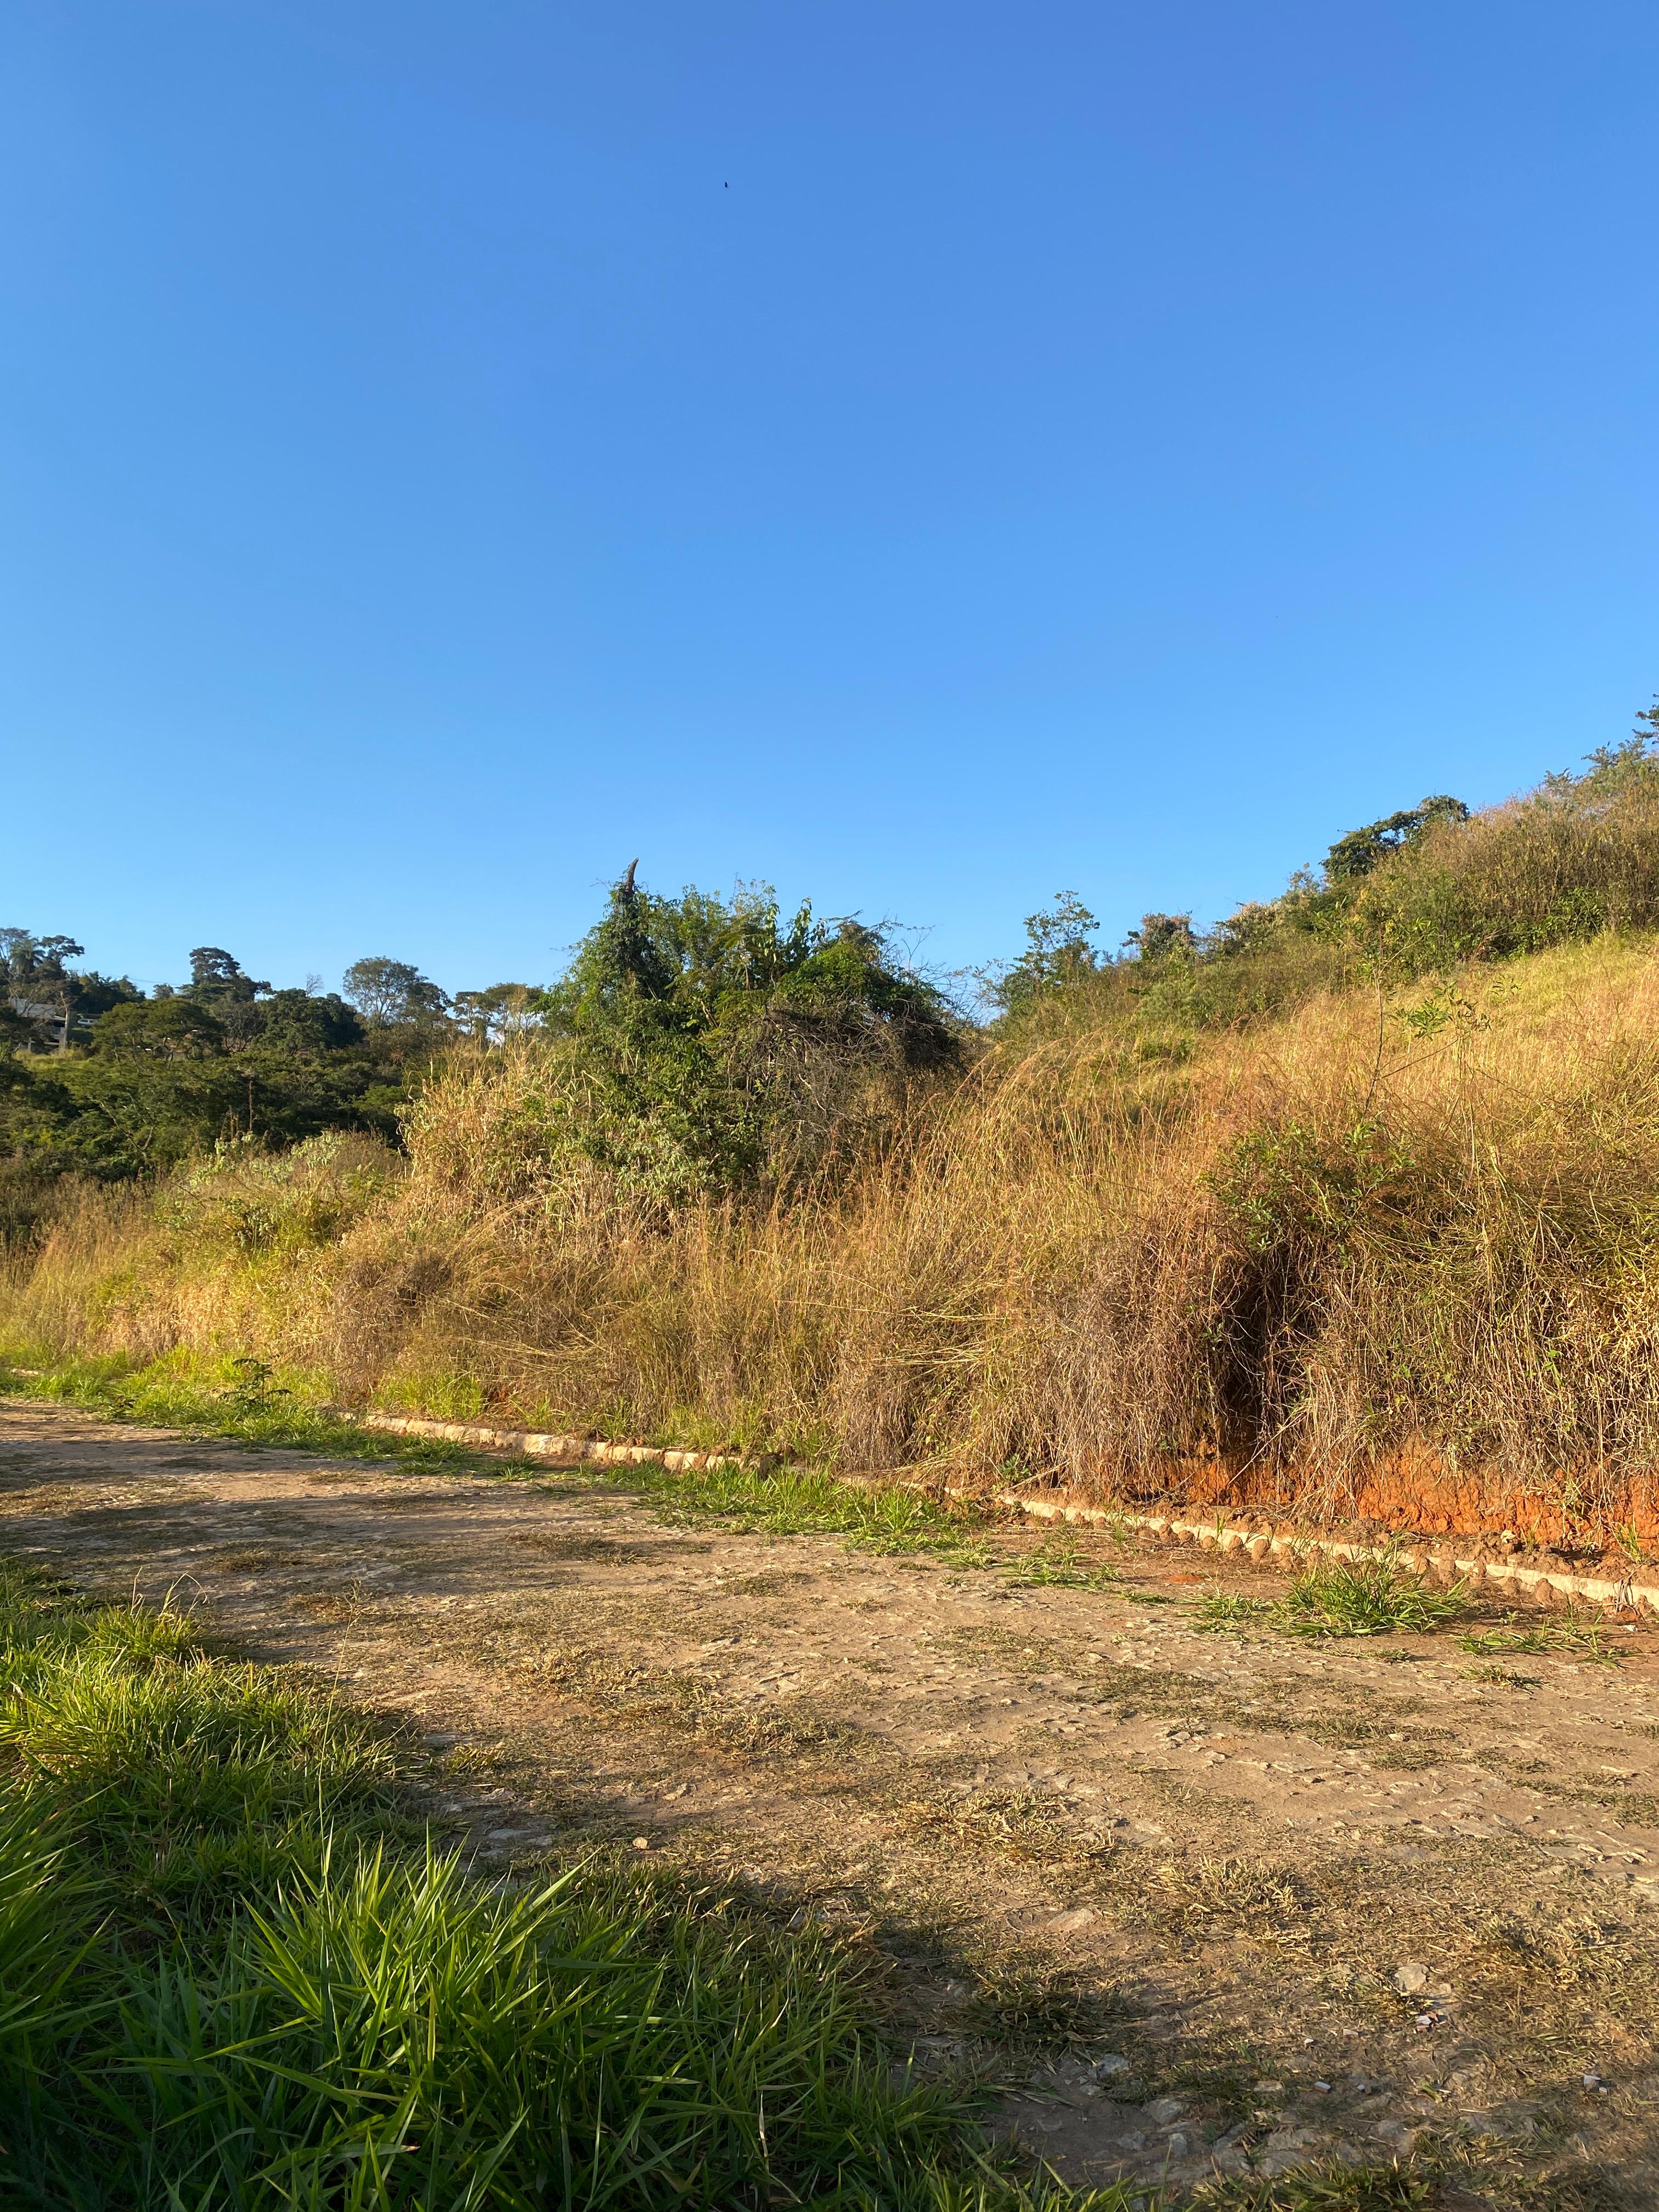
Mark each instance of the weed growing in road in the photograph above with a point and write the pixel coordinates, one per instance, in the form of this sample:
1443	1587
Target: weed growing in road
1569	1634
1057	1564
1364	1598
1224	1609
1339	1597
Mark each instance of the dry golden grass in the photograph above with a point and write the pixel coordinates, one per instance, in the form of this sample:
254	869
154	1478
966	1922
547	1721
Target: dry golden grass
1427	1224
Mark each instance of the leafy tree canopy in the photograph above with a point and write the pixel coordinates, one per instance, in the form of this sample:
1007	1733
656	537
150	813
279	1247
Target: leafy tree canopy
710	1044
500	1010
387	991
1358	852
147	1082
698	966
1163	937
217	978
1058	955
158	1028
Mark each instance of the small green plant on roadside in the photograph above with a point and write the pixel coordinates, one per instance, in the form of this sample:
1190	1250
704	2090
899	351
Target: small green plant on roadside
809	1502
1501	1677
1335	2187
1226	1610
1364	1598
1058	1563
254	1390
1570	1633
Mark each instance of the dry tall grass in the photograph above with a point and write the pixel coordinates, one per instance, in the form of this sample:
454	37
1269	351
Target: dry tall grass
1431	1226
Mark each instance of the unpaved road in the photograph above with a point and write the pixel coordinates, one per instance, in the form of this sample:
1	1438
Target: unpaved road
1197	1863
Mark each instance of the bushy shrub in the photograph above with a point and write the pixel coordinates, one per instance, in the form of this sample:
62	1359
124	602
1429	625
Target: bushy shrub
698	1049
247	1200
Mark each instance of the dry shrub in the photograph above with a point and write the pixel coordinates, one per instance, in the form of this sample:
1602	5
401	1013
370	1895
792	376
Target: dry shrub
1362	1231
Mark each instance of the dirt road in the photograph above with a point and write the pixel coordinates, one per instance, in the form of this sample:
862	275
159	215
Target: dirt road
1258	1901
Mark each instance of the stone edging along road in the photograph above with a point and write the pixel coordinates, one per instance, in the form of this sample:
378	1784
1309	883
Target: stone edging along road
1476	1565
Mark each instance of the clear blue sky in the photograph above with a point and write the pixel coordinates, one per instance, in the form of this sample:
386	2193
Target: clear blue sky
924	454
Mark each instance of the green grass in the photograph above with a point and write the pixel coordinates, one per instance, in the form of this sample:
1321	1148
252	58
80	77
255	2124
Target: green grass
234	1976
1058	1563
1364	1598
1340	1597
241	1399
223	1398
807	1502
1568	1634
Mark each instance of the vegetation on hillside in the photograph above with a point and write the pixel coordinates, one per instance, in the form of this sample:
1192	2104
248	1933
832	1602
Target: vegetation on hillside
107	1083
697	1047
1365	1170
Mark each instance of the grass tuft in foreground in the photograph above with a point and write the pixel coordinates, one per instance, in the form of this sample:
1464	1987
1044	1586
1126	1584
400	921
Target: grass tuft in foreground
1341	1597
1364	1598
233	1976
1570	1634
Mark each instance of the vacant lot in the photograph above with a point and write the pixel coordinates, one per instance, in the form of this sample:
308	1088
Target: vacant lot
1216	1899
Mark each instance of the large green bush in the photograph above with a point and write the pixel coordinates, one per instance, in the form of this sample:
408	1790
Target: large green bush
699	1046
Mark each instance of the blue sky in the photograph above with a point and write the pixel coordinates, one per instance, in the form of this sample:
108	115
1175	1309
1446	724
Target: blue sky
924	455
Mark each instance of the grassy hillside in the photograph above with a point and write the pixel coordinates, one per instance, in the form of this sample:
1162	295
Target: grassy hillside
1368	1175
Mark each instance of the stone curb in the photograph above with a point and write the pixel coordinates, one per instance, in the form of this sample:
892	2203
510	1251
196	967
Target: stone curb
529	1444
1542	1585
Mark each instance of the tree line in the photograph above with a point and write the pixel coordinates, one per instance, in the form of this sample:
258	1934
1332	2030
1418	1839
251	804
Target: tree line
699	1045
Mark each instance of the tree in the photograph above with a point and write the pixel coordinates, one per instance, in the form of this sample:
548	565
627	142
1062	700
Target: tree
501	1011
27	960
1057	954
159	1029
1358	852
218	978
37	976
702	1045
386	992
1163	936
306	1025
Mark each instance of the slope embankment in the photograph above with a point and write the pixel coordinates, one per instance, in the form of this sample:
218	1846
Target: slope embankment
1391	1259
